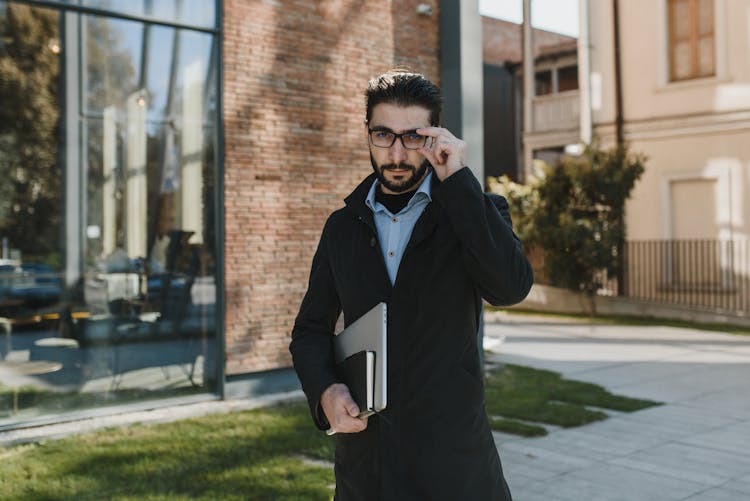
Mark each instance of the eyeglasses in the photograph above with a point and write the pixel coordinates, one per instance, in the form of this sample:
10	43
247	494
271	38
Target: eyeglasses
384	138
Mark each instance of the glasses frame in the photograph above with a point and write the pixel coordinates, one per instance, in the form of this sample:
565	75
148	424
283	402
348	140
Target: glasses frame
396	136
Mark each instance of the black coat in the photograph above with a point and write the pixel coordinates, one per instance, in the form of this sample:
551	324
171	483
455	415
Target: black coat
436	443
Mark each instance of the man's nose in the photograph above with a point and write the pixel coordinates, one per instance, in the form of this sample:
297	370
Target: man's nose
398	152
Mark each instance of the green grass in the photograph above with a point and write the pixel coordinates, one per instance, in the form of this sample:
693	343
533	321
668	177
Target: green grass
254	455
516	427
517	392
637	321
258	454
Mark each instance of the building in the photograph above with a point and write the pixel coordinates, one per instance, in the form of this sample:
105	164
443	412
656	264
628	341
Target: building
685	90
168	167
555	101
683	99
671	78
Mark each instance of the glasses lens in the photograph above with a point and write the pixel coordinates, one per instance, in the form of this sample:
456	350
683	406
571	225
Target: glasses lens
413	141
382	138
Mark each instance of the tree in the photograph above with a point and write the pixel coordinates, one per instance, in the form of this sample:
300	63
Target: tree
574	213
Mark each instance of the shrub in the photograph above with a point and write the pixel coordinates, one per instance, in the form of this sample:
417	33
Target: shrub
573	212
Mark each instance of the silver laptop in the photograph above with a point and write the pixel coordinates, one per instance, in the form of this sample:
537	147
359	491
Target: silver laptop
368	333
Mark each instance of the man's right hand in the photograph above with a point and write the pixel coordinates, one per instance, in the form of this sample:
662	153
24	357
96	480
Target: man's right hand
341	410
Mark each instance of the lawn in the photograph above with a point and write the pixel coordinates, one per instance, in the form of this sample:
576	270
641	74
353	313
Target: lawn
516	393
263	454
253	455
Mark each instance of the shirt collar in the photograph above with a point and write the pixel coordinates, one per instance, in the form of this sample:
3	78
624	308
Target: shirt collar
425	189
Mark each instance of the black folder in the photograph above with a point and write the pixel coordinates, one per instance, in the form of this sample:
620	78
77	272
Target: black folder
358	373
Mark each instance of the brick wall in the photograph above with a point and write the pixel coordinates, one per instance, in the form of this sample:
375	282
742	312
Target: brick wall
294	74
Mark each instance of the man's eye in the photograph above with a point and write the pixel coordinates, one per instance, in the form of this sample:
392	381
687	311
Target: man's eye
412	136
382	134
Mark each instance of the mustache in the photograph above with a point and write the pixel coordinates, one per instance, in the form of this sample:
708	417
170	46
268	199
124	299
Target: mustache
400	166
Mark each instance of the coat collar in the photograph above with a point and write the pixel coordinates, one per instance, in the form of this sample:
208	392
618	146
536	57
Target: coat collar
424	226
356	199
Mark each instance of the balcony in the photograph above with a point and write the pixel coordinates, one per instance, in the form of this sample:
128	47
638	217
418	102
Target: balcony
554	112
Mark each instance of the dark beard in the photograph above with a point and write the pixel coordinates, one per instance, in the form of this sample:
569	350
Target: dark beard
404	186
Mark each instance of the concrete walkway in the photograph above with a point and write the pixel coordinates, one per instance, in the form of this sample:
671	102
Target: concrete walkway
694	447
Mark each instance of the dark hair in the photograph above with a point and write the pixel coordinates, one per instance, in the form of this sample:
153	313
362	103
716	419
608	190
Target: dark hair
404	88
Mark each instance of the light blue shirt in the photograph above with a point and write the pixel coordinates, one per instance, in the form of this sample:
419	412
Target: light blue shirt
394	230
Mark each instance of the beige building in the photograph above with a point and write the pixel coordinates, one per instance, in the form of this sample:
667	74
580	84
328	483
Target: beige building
685	89
685	103
682	98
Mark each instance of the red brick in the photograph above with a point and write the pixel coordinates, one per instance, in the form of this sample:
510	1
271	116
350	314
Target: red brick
294	76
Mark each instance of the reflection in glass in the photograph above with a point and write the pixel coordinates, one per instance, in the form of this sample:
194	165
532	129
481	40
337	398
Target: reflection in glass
29	151
192	143
138	320
135	173
199	13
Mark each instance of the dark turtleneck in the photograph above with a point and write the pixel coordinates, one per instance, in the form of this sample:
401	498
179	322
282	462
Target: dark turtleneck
393	203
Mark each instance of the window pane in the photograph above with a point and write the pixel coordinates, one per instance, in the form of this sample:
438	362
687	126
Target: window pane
200	13
194	12
681	65
29	159
150	174
705	17
567	78
158	73
137	319
543	82
680	19
30	208
113	60
132	7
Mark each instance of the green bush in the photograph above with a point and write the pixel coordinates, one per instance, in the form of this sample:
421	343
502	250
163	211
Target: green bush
573	212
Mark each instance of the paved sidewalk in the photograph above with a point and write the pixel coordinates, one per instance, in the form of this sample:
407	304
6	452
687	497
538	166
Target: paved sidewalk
694	447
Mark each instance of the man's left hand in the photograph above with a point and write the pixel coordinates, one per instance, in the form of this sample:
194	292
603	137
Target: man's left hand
447	153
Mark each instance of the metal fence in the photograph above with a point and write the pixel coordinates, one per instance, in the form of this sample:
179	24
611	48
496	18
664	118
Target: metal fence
706	274
701	274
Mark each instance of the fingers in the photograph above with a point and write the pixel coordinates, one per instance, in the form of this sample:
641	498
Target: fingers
437	153
341	410
434	132
353	409
447	153
347	421
444	144
427	153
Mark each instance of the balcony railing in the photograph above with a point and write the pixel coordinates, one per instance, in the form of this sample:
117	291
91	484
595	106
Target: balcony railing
556	111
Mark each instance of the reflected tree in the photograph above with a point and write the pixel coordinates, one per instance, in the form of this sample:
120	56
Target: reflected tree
110	71
30	173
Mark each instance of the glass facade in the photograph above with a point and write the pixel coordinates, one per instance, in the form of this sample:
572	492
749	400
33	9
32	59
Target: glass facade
108	158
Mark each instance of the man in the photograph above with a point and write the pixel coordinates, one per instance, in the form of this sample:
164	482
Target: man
420	235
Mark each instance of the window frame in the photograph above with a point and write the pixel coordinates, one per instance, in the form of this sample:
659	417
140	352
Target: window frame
693	39
74	13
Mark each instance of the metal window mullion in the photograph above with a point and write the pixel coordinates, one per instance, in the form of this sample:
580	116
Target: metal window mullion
219	317
72	228
79	9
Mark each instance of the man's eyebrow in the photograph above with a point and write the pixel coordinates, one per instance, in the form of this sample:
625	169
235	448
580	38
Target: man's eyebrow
386	129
